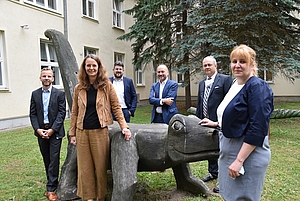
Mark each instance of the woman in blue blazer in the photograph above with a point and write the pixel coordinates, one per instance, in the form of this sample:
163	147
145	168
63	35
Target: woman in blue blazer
244	117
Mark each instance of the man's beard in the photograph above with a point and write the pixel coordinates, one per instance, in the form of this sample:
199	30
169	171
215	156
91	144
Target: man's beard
46	84
118	75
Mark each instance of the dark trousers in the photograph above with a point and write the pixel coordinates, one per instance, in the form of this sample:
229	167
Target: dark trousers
50	150
158	118
213	167
125	114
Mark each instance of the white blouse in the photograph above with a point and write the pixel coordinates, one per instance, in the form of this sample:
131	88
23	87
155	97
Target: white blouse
233	91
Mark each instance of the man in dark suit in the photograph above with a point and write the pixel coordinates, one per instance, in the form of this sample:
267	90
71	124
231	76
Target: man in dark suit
163	96
125	91
47	114
211	92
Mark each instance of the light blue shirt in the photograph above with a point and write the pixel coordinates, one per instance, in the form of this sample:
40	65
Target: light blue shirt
46	98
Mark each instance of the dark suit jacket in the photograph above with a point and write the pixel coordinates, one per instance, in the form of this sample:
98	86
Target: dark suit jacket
218	91
170	91
130	97
56	111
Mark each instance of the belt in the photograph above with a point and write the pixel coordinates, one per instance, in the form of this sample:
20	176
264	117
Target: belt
158	114
46	126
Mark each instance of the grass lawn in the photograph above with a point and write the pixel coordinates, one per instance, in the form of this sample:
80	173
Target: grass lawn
22	176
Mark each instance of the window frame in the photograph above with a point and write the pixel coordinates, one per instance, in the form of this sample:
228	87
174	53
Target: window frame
117	14
51	64
46	4
2	63
265	74
179	78
139	76
154	76
86	11
119	57
89	50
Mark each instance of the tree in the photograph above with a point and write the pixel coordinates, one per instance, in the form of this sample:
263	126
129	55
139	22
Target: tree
159	27
269	27
152	31
180	33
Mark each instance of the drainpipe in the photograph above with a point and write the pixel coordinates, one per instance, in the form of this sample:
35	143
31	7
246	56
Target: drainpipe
65	19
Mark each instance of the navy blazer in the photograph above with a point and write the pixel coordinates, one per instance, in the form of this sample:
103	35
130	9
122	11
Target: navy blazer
130	97
56	111
249	112
217	93
170	91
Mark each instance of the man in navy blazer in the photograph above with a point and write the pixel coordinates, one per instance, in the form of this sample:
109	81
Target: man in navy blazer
163	96
218	85
47	114
125	90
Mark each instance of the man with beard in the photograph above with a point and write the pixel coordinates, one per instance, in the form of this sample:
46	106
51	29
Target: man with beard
163	96
47	114
125	90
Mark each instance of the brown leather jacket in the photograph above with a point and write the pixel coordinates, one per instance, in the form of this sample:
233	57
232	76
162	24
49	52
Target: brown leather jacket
107	101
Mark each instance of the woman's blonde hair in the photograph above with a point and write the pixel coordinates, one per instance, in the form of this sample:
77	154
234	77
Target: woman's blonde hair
248	53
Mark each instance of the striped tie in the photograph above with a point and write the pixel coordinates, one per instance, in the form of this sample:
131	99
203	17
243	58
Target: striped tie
205	98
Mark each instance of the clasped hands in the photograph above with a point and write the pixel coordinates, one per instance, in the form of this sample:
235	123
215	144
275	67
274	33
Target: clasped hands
45	134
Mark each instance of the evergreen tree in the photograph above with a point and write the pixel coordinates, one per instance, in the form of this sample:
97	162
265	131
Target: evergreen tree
152	32
157	30
269	27
180	33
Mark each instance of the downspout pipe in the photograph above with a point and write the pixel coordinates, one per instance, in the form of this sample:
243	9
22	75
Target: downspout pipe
65	19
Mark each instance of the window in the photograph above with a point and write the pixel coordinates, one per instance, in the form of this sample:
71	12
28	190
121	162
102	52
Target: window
180	77
2	80
139	76
119	57
52	4
88	50
88	8
48	59
266	75
154	76
117	13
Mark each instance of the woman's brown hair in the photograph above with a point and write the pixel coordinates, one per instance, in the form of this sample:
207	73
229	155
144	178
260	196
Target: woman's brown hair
102	77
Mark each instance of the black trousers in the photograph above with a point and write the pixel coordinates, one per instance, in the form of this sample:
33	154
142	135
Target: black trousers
158	118
213	167
50	150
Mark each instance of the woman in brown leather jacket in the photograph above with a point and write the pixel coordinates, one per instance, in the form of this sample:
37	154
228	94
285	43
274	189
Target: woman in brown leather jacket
94	99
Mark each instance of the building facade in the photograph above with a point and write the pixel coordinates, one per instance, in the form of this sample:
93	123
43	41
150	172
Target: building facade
91	26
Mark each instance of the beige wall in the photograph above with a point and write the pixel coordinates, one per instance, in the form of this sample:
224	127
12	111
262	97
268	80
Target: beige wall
22	52
286	90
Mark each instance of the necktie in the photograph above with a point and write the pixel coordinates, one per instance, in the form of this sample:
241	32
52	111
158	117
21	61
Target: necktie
205	98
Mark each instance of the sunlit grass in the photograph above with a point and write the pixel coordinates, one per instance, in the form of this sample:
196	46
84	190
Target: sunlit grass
22	175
